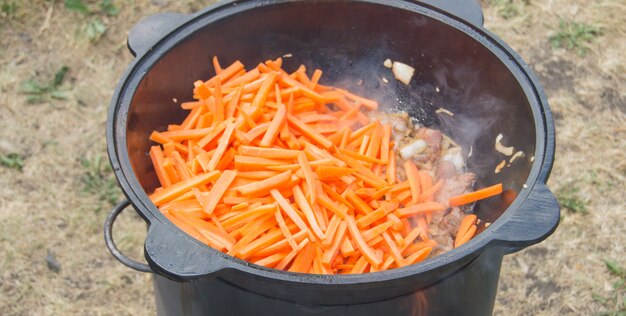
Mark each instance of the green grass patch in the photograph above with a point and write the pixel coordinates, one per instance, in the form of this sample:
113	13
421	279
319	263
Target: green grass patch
8	8
94	28
614	302
98	180
574	36
38	91
569	198
12	160
508	9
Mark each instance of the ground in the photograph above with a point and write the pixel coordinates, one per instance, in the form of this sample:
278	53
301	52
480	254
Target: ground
56	188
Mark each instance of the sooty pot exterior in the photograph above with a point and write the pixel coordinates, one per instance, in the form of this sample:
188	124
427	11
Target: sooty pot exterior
459	66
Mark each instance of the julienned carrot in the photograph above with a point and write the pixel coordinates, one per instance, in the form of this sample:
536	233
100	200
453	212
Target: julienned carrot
308	185
218	190
476	195
175	190
466	230
264	186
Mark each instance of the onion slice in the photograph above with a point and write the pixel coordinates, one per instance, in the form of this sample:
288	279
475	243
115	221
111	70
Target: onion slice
501	148
402	72
413	149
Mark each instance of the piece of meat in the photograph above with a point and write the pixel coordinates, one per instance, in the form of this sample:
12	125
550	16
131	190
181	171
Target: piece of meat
445	170
450	223
434	140
454	186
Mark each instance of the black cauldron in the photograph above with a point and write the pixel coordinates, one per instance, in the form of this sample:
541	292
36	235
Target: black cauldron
459	66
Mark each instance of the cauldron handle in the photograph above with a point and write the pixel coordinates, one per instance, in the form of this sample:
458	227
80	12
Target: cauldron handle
533	222
110	243
468	10
149	30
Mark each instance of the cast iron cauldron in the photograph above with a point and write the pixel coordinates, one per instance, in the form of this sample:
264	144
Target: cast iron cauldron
459	66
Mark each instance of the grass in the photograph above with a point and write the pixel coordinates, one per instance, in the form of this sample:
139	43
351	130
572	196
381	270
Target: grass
570	199
574	36
39	92
12	160
615	302
508	8
7	8
94	28
98	180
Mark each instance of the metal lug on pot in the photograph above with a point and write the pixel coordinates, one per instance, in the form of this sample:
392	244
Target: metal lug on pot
532	223
148	31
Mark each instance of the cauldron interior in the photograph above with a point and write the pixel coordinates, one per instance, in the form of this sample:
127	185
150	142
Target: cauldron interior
349	42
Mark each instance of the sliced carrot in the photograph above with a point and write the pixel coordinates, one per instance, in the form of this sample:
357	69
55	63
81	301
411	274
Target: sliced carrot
264	186
476	195
308	212
413	176
171	192
367	252
309	132
218	190
331	252
420	208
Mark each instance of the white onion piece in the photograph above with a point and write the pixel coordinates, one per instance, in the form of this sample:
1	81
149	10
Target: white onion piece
501	148
518	154
387	63
500	166
413	149
402	72
456	159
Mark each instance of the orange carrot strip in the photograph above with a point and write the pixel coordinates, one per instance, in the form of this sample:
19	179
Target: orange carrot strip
358	204
268	152
376	231
331	206
218	190
176	190
286	207
346	248
245	78
215	131
187	134
412	174
359	156
156	155
159	138
275	126
309	176
309	132
303	261
308	212
419	255
209	230
264	186
223	143
329	172
428	194
283	263
271	261
373	148
420	208
367	252
331	252
379	213
466	230
393	248
257	175
476	195
283	228
247	163
216	65
249	215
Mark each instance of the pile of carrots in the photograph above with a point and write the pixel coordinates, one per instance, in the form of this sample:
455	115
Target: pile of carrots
284	172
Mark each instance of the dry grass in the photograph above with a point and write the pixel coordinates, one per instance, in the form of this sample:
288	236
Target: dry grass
46	208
